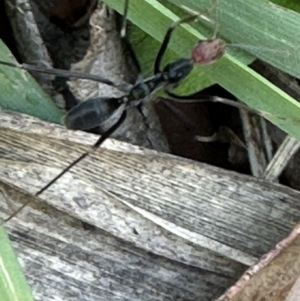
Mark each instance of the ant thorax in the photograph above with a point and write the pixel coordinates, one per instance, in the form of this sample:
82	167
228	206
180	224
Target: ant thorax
144	88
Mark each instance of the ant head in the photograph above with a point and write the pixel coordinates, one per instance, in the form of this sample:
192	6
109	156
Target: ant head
176	71
208	51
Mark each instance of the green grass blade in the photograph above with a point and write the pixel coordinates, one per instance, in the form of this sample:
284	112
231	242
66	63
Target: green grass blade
13	286
20	92
244	83
270	31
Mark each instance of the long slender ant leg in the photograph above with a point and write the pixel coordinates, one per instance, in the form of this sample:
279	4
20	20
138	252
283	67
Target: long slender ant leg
133	55
166	41
136	62
98	143
178	113
66	73
209	98
181	99
126	41
184	98
221	134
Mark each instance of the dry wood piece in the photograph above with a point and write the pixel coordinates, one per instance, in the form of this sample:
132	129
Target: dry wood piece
287	157
255	142
288	148
166	228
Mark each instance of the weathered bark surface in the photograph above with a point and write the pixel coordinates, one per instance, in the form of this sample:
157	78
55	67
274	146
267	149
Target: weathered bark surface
166	228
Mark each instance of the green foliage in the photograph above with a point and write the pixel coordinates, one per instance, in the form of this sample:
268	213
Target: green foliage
13	286
20	92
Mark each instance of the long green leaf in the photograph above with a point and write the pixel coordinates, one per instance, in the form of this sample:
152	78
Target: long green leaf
20	92
268	31
13	286
154	18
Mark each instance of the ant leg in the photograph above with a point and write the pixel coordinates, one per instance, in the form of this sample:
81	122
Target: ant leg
66	74
186	98
206	98
136	62
132	54
98	143
178	113
166	41
126	41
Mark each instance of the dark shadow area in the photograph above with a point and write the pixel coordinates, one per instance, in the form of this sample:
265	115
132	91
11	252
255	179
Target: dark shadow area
205	119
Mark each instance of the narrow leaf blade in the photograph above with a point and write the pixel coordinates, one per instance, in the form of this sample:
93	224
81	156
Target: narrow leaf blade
13	286
20	92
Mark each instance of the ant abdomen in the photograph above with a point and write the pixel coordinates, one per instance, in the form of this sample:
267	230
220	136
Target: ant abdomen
91	113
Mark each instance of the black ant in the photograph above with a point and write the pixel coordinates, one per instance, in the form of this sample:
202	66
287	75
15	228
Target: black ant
94	112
